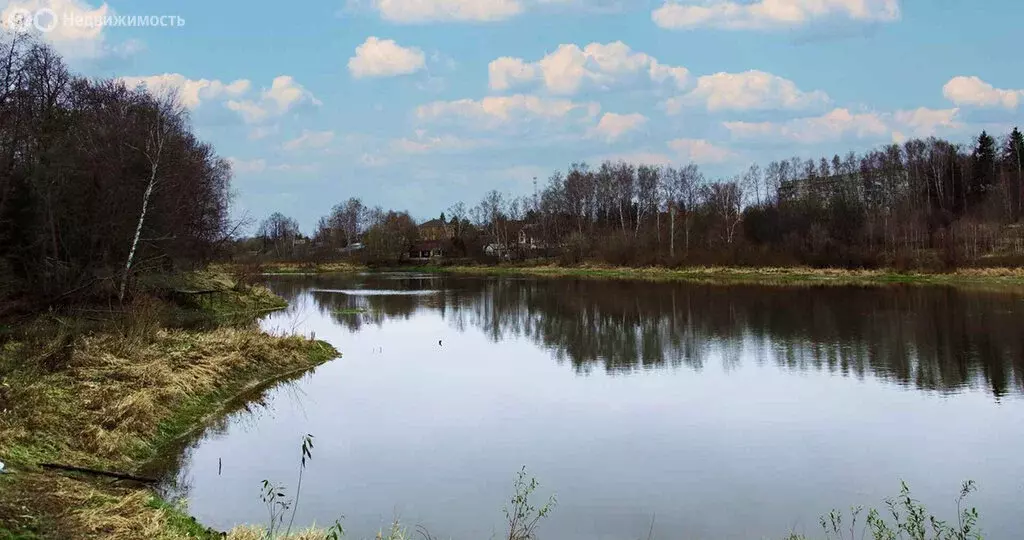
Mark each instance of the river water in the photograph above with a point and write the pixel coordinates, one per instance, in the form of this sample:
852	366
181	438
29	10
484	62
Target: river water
703	411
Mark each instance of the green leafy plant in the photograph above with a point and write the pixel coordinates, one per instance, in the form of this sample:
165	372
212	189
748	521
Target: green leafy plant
522	516
277	506
273	496
910	520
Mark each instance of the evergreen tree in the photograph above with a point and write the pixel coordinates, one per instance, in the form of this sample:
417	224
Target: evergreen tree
1013	161
984	161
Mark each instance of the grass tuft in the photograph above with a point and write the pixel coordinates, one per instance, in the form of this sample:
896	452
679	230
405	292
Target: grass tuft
112	394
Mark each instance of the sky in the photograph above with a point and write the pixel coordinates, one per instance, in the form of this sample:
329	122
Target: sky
418	104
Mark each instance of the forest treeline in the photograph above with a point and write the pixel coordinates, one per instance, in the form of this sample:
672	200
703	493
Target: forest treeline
924	203
98	181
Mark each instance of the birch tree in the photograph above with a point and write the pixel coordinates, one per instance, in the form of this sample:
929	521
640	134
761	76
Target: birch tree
164	122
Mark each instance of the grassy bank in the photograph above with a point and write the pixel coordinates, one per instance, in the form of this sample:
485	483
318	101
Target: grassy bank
768	276
700	274
112	390
287	267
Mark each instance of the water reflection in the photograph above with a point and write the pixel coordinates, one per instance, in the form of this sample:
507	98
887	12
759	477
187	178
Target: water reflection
728	412
930	338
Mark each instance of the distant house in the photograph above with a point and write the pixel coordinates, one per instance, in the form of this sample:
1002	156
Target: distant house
434	229
425	250
524	239
530	237
352	248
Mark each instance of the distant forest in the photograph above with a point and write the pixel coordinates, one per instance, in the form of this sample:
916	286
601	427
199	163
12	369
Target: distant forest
925	203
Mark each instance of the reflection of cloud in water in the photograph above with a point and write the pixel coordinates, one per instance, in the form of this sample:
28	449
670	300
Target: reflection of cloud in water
375	292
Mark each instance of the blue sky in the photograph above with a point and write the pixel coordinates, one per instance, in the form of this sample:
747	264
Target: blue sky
417	104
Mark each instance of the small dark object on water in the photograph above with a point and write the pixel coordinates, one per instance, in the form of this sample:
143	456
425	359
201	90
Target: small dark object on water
439	343
220	465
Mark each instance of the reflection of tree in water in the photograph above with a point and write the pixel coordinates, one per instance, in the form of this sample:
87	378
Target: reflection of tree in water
935	338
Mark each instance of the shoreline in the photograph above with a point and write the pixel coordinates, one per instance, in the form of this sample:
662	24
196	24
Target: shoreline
695	274
120	400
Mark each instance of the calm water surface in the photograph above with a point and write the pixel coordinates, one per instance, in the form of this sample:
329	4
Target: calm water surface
725	412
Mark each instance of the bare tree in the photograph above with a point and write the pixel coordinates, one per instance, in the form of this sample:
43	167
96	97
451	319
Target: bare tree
164	122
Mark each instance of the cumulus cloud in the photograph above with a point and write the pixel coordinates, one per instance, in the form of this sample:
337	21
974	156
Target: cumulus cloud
421	11
924	122
506	72
972	91
700	151
283	95
567	69
310	139
496	111
191	92
750	90
841	123
384	58
769	14
614	126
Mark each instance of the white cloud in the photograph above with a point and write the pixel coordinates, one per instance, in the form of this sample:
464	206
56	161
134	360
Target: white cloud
570	67
638	157
372	160
420	11
250	111
700	151
283	95
841	123
384	58
262	132
495	111
257	166
769	14
750	90
975	92
304	168
506	72
286	93
73	41
310	139
247	166
191	92
923	122
614	126
423	143
831	126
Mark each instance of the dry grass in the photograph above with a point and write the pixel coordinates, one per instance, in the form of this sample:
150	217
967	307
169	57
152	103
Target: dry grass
249	532
110	397
285	267
396	531
762	275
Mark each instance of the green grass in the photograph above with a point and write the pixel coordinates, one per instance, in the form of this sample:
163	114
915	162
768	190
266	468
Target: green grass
180	523
195	412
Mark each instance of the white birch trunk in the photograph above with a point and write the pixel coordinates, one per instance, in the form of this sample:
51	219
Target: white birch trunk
138	233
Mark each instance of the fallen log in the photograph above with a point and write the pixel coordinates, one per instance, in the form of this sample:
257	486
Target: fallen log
119	476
